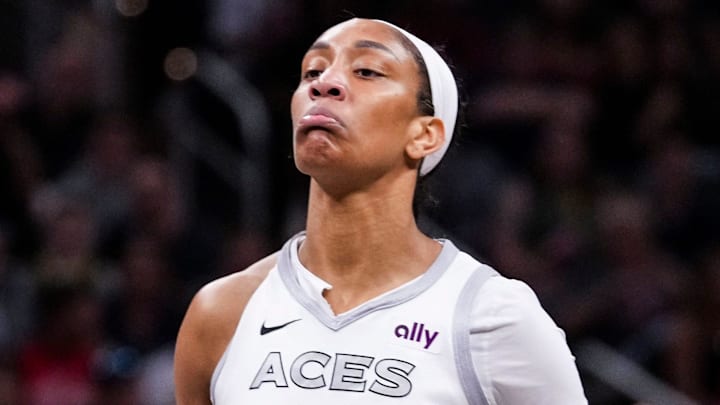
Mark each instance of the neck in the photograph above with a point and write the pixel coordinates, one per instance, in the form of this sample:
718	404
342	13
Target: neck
366	242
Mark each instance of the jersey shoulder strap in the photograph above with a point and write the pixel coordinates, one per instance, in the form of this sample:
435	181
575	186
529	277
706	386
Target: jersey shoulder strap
461	335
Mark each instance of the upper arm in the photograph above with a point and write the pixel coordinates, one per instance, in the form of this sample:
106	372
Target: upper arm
208	327
526	358
194	357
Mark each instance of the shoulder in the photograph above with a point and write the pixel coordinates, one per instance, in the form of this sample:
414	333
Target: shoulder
510	303
492	293
218	305
525	353
209	324
505	294
224	299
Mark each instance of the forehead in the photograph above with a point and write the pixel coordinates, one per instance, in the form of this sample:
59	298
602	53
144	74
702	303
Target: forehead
353	31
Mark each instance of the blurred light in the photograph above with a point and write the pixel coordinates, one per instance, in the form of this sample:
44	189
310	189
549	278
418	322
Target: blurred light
131	8
180	64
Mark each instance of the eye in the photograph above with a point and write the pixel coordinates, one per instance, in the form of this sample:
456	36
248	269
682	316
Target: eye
312	73
367	73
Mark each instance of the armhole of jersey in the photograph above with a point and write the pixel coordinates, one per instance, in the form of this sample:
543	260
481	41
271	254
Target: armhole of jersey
218	370
461	336
221	363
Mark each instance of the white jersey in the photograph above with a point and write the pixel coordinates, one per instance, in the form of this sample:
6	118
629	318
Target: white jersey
418	344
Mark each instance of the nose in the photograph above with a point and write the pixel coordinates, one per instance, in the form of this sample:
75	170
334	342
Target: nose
327	88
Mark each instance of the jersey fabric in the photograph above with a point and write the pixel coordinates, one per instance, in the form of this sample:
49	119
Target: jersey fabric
448	337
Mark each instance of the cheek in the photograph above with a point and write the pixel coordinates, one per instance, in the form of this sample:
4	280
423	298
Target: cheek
296	104
392	117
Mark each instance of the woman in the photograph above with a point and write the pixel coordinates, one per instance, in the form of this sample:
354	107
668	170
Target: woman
363	307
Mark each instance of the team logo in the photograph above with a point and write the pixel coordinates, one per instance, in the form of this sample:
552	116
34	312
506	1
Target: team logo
336	372
267	329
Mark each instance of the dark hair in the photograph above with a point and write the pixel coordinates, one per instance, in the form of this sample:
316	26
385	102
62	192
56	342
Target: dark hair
423	197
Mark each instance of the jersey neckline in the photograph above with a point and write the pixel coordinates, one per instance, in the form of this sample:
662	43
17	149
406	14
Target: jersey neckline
290	277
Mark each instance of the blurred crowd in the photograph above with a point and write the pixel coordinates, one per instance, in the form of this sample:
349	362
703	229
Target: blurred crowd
588	166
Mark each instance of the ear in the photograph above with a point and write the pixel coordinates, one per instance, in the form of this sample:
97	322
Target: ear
427	134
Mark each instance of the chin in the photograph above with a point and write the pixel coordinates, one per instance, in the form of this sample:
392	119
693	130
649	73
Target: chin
312	165
326	172
318	170
311	157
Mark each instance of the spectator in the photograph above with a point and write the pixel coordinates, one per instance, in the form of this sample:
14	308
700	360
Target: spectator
55	364
17	301
143	313
101	177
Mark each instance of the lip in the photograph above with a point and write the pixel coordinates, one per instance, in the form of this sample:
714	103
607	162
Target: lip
320	118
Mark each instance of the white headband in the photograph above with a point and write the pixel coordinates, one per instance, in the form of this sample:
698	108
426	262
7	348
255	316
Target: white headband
444	94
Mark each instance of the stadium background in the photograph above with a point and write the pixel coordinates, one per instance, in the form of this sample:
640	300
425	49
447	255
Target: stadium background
145	149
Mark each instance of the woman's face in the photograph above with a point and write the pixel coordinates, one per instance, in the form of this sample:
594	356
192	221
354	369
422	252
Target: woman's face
355	108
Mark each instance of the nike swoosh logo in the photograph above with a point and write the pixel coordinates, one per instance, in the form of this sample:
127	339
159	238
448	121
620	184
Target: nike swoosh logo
267	329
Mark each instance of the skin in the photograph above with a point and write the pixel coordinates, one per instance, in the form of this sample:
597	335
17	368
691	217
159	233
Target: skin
359	136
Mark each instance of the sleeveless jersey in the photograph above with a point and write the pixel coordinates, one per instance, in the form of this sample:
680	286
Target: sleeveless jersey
408	346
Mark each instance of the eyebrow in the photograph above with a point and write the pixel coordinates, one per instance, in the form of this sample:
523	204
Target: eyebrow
363	43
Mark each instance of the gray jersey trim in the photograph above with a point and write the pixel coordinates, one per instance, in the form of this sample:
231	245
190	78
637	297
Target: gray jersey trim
461	336
216	372
289	278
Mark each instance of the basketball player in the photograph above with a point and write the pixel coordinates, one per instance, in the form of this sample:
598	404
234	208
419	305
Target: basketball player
362	307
